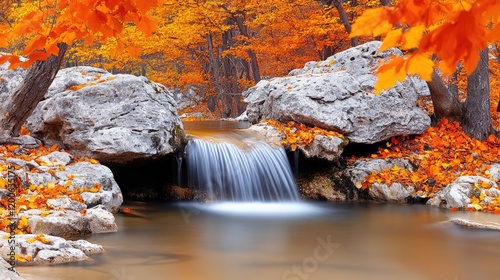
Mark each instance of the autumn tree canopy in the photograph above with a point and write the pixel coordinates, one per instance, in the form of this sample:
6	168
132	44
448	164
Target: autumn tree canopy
42	30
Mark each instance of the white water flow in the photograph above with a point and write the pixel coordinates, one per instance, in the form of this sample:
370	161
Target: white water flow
251	172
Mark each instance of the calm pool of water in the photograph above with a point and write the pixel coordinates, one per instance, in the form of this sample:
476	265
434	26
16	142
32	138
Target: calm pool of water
269	241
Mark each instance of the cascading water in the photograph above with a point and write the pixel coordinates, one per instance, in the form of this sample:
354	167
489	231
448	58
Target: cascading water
227	172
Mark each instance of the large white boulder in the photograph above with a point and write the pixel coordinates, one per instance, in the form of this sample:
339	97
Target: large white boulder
338	94
112	118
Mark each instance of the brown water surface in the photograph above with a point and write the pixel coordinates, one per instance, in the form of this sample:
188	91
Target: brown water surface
287	241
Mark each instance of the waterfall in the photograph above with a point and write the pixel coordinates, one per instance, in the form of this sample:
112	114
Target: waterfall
228	172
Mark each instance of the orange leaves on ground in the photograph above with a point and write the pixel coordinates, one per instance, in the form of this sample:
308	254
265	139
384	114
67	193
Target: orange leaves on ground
439	156
39	237
36	196
294	134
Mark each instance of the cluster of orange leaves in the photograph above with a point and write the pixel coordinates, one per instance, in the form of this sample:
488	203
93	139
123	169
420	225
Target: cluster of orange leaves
297	134
440	155
427	27
36	196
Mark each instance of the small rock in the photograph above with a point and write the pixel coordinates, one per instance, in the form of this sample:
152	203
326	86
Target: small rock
86	247
394	193
472	224
100	220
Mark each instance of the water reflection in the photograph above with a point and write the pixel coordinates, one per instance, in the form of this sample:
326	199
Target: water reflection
186	241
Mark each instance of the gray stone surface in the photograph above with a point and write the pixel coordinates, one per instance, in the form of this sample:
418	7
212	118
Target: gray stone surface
6	273
67	223
47	250
113	118
393	193
337	94
458	194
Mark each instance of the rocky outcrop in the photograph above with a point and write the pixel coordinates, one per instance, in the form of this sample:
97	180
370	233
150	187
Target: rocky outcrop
59	169
77	197
463	190
40	249
337	94
112	118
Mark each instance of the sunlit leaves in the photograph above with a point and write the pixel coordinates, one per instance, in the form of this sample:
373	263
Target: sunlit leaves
45	24
296	134
439	156
452	30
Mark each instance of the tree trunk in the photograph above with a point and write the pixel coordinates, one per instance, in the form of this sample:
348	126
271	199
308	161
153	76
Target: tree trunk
385	2
254	64
343	17
19	105
453	83
214	72
477	119
446	105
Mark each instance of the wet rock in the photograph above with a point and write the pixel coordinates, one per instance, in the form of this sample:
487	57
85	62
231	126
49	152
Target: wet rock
393	193
48	250
100	220
67	223
458	194
475	224
337	94
112	118
59	223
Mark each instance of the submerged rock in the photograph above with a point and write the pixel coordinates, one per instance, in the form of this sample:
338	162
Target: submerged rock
112	118
337	94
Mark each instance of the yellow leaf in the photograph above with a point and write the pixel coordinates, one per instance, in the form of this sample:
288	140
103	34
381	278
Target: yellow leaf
420	64
390	73
412	36
392	38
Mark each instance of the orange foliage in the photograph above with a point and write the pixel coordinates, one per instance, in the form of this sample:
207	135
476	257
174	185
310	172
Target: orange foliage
39	26
294	134
36	196
452	30
440	155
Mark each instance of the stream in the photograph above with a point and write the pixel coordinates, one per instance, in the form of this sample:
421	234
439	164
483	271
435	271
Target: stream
286	241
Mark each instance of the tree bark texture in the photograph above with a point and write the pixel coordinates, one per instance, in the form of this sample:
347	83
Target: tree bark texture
254	64
446	105
477	117
19	105
343	17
